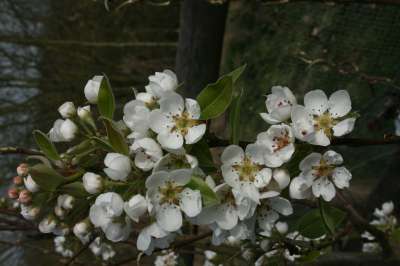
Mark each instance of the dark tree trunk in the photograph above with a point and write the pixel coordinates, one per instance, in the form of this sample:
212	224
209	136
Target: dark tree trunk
201	35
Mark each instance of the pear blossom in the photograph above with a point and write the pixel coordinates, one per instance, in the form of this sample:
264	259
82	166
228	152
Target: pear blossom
63	131
84	112
30	184
153	236
93	183
47	225
82	230
137	118
65	201
320	118
233	207
268	213
118	166
61	247
67	110
162	83
147	153
104	250
384	218
279	105
319	176
29	212
245	170
279	144
92	88
169	197
106	213
136	207
177	122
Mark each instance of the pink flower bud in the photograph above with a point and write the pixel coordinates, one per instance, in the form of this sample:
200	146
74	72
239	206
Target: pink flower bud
25	196
17	180
13	193
22	169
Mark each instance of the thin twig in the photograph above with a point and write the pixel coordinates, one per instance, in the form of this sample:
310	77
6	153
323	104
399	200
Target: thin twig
17	150
83	248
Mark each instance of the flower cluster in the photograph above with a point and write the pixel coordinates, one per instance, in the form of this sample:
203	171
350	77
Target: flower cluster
141	173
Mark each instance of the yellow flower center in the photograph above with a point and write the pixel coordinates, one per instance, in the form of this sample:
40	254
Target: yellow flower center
247	170
170	192
281	141
324	122
183	122
323	169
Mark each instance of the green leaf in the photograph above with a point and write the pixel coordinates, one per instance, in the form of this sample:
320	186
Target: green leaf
201	151
116	138
106	100
234	118
75	189
47	178
215	98
312	225
45	145
103	144
207	194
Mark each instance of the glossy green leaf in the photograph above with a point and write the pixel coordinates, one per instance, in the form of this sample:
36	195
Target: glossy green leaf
234	118
312	225
116	138
102	144
75	189
45	145
106	100
215	98
207	194
201	151
47	178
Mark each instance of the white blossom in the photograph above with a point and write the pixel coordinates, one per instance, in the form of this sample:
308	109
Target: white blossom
65	201
93	183
169	197
137	118
268	213
118	166
67	110
29	212
153	236
172	161
61	247
136	207
92	88
47	225
279	144
104	250
321	118
82	230
147	153
319	176
106	213
177	121
162	83
279	105
63	131
245	171
167	259
84	112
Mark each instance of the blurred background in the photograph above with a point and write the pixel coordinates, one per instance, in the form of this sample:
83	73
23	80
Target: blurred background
49	49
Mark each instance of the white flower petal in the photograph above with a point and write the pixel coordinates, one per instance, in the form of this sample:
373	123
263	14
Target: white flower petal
316	102
170	140
169	217
263	177
190	202
339	103
282	177
318	138
181	176
344	127
227	217
281	205
193	108
143	241
232	154
341	177
269	119
323	187
195	133
157	179
159	122
230	175
98	216
333	158
299	188
313	159
172	104
255	153
135	207
248	189
302	122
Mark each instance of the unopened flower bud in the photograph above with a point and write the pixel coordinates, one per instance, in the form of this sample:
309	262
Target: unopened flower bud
25	196
17	180
84	112
12	193
387	207
29	212
47	225
68	130
30	184
92	183
22	169
60	212
92	88
65	201
281	227
67	110
82	231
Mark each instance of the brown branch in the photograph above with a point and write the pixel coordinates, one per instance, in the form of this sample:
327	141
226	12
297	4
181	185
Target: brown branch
368	2
83	248
17	150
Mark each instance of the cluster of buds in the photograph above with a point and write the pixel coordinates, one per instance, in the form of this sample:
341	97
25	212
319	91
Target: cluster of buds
22	186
